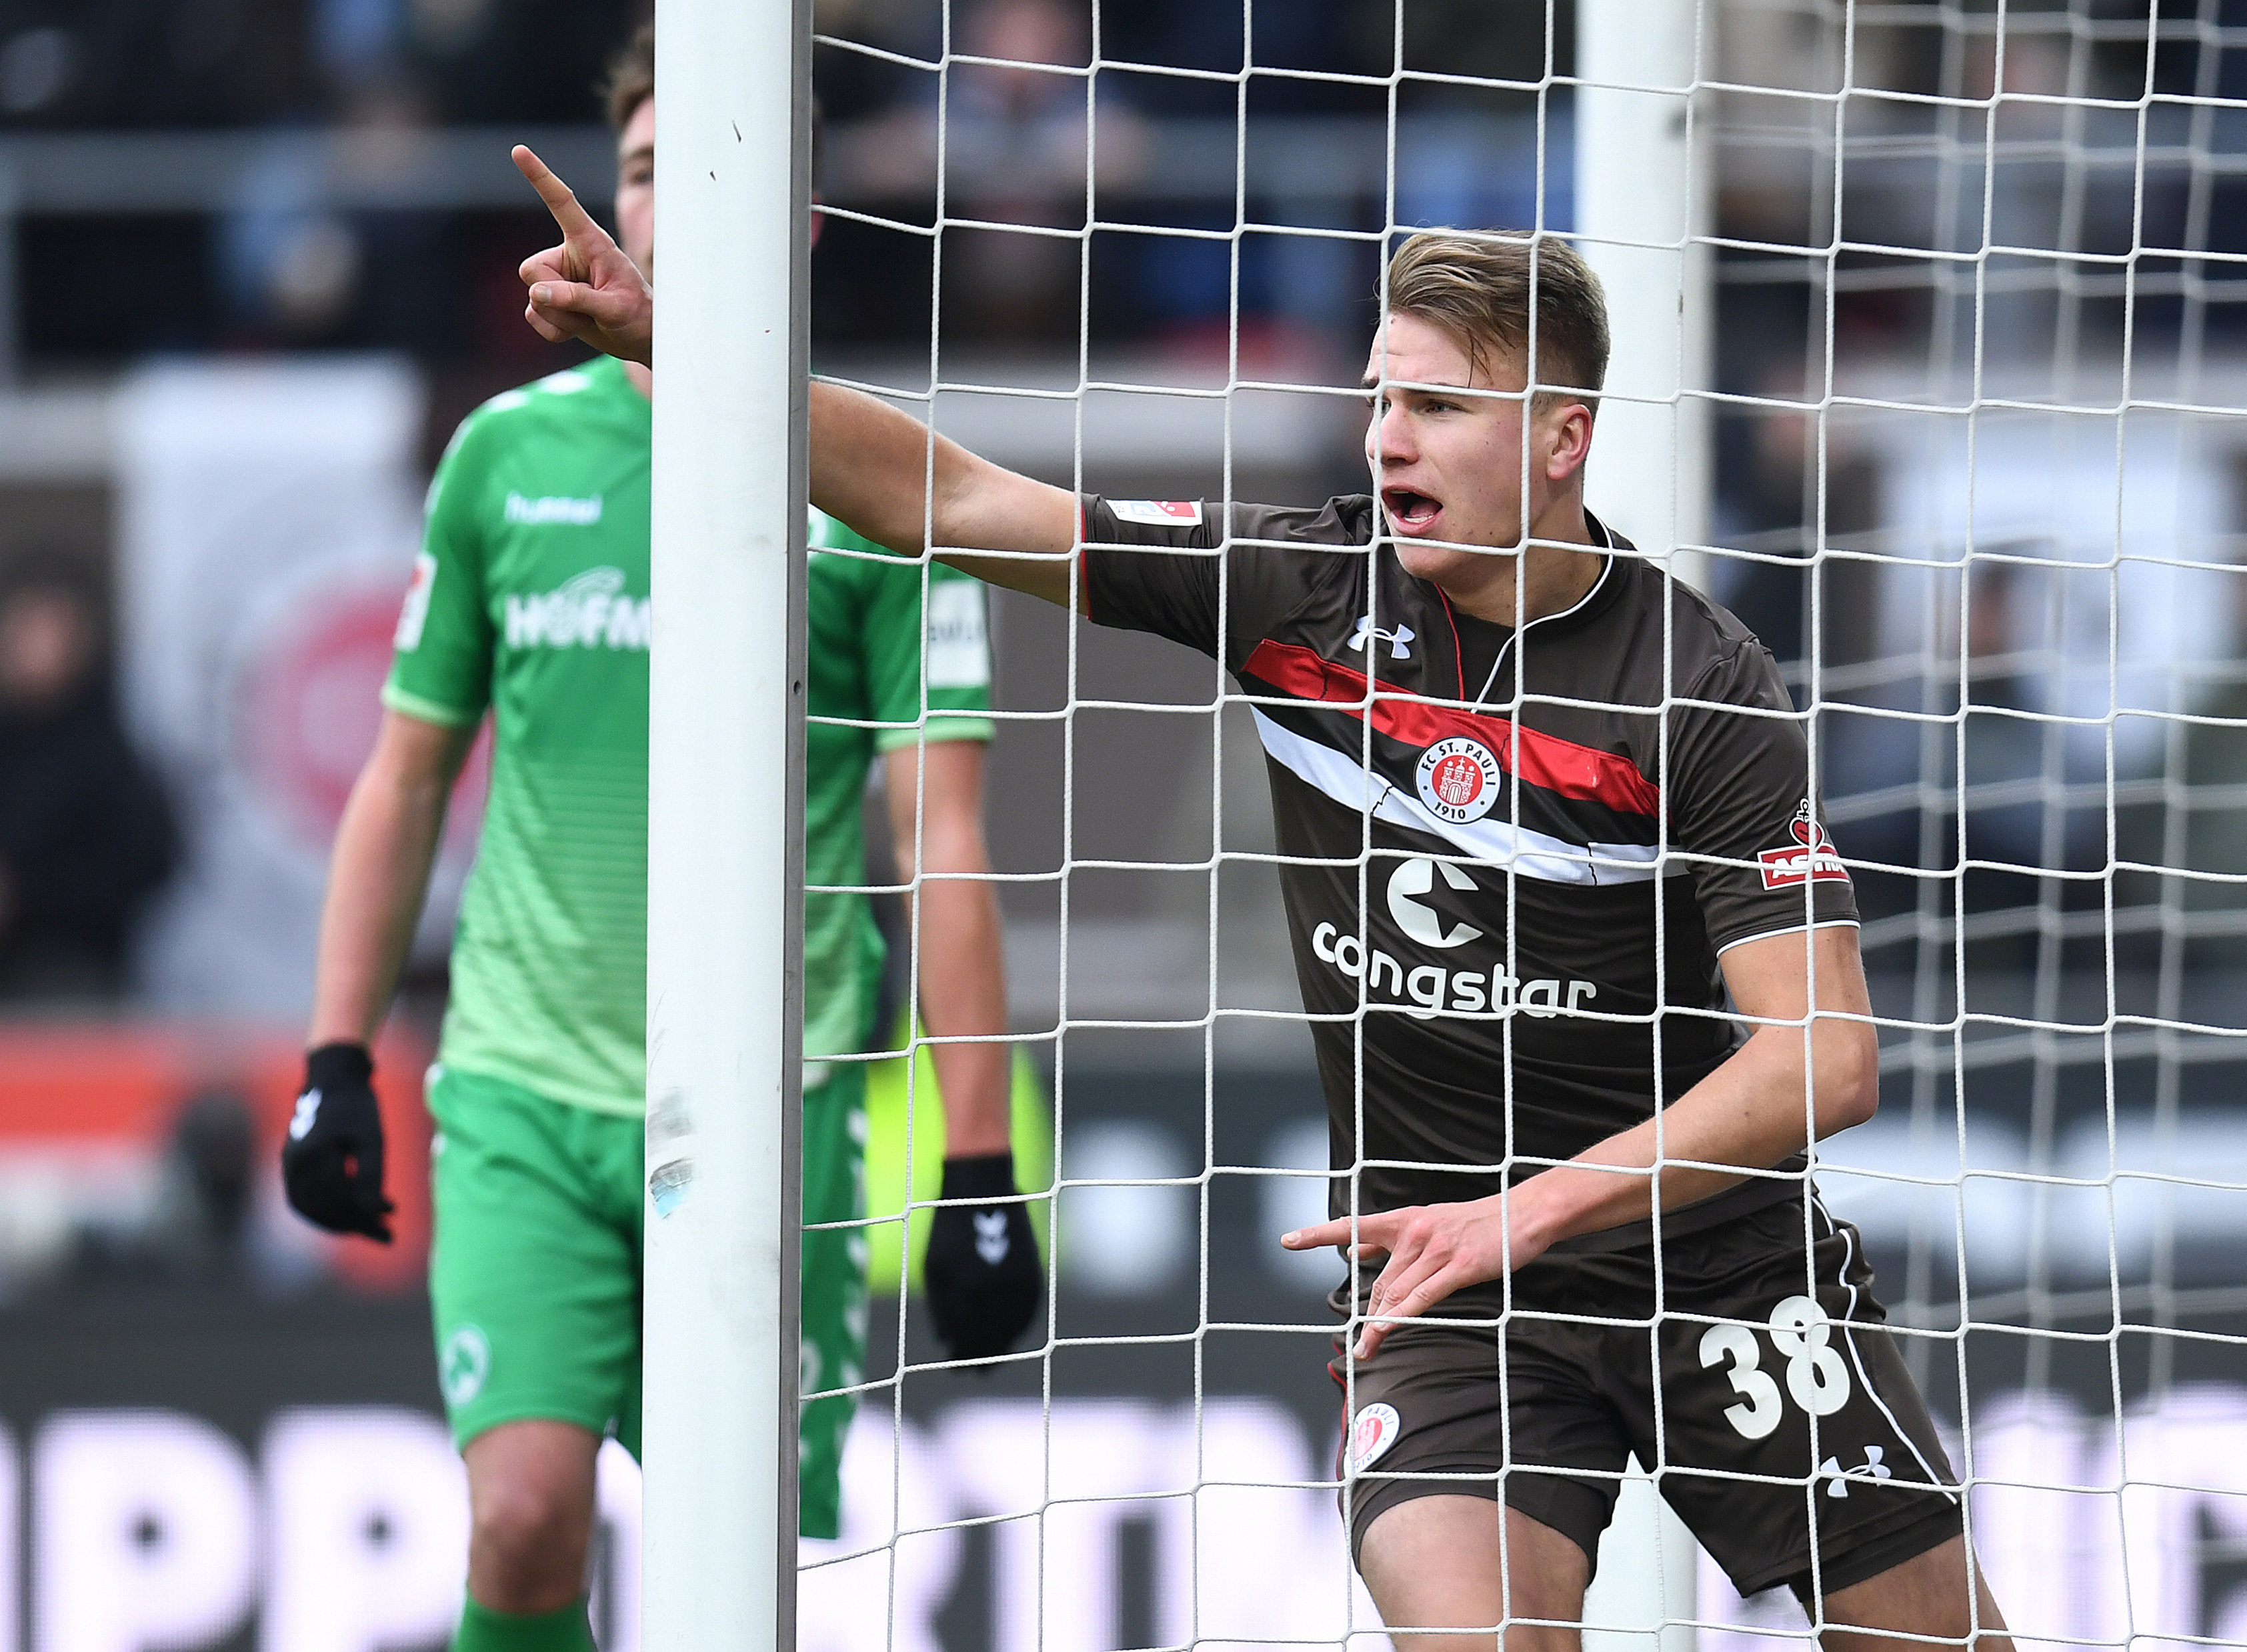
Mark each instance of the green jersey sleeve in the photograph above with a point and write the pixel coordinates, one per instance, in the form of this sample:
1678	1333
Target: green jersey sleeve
441	661
959	648
959	658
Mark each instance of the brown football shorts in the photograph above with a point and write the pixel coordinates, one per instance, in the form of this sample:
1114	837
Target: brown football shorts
1791	1440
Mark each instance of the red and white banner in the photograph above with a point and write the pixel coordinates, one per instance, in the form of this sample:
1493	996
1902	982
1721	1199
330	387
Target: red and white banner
268	513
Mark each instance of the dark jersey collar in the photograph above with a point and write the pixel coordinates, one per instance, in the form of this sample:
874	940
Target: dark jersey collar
1604	589
1482	644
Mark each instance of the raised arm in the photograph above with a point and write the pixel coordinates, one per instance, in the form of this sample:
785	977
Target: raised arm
586	288
870	464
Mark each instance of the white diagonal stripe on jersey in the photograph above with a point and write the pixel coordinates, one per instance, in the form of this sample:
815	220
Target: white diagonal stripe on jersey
1497	843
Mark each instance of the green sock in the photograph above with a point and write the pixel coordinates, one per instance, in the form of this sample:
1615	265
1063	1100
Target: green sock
484	1630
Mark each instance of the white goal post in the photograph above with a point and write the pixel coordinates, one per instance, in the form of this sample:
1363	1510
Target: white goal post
1643	190
724	830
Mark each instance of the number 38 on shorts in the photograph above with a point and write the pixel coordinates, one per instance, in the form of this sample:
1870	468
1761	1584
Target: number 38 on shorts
1816	1377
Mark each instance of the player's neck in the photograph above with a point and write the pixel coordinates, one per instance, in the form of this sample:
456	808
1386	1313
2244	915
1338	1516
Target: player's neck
1554	579
641	378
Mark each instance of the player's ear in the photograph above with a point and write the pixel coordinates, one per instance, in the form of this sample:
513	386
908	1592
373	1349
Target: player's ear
1568	430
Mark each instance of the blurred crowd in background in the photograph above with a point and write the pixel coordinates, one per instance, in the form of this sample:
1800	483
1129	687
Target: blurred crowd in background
274	261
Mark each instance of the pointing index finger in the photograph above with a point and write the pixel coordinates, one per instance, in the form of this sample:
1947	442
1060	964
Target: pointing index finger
1312	1238
560	199
1372	1233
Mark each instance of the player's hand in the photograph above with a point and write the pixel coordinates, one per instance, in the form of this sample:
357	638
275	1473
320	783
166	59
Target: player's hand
585	289
1434	1250
332	1163
982	1272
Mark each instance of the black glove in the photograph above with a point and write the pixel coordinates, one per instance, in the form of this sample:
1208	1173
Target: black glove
331	1162
982	1272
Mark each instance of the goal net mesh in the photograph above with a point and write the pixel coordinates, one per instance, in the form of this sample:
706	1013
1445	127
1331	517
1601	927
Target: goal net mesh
1956	432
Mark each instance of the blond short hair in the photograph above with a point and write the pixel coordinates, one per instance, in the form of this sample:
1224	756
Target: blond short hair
1477	289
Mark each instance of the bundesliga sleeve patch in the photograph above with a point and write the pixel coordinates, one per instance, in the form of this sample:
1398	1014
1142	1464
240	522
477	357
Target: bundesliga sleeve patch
415	614
958	642
1809	859
1159	512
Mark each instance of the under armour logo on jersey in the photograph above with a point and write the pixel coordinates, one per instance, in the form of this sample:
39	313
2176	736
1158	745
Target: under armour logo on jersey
991	1242
1398	640
308	1108
1837	1479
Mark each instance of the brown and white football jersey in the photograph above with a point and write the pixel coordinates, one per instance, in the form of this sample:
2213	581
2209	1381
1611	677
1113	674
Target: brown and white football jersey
1512	858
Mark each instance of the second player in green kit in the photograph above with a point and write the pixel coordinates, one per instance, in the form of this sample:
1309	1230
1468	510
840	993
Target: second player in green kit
530	603
534	602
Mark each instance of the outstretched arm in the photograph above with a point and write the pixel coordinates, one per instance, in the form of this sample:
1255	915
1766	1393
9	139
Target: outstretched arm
870	463
1805	1074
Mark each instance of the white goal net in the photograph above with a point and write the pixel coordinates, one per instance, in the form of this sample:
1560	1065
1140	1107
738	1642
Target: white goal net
1931	355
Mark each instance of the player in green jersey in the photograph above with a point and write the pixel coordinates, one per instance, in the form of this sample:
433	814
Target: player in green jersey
530	603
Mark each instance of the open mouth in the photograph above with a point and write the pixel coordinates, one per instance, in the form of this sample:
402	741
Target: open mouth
1407	508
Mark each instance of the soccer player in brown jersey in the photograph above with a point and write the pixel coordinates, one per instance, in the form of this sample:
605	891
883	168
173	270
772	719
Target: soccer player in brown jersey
1600	993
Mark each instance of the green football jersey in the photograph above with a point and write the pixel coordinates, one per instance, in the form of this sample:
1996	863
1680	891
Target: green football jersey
863	657
530	600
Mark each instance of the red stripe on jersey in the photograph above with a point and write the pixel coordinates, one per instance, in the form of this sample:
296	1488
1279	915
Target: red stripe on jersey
1557	765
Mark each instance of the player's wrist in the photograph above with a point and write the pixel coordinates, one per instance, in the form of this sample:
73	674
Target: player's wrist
337	1064
979	1138
979	1176
1536	1218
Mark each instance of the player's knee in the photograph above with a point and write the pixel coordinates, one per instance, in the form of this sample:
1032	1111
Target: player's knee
531	1516
527	1545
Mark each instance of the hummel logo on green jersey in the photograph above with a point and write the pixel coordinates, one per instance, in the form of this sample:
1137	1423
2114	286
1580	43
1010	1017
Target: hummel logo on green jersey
554	508
589	611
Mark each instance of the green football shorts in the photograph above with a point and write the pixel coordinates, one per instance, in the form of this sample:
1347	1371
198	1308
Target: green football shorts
534	1269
